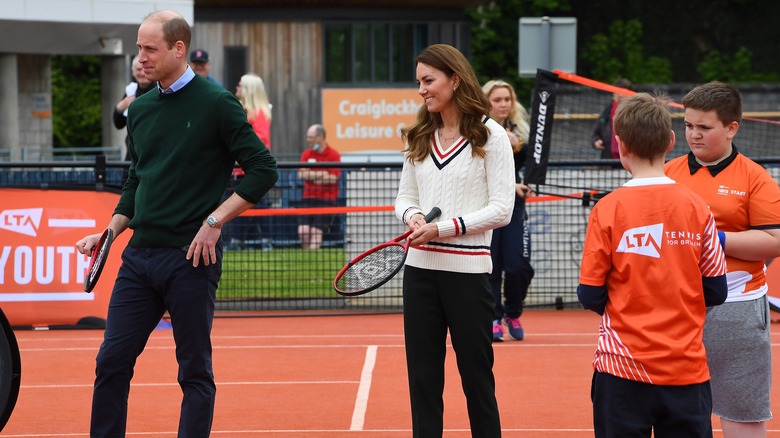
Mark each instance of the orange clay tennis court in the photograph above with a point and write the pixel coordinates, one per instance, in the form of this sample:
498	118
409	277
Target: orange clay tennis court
317	376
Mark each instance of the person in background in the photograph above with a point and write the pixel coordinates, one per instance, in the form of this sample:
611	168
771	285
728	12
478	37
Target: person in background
320	187
603	135
651	264
250	91
137	88
745	200
184	139
510	247
460	160
200	63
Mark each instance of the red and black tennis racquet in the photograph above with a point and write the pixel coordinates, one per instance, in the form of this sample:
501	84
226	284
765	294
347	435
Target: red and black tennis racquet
98	259
376	266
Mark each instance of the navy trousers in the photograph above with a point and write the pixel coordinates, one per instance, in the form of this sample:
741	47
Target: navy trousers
510	250
627	409
152	281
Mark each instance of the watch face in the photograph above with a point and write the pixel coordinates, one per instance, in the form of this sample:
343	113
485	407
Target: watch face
211	221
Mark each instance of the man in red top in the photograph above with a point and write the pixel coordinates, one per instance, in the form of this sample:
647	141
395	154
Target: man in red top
320	187
651	264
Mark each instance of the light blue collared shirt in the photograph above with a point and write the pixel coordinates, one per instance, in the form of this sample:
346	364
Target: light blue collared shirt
179	83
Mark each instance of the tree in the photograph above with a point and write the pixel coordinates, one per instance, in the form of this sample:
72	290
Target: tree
650	42
620	53
494	33
76	108
717	66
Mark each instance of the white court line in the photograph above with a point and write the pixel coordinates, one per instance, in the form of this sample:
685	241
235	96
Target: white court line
361	401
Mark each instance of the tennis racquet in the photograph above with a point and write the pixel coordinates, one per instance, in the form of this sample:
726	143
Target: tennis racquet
98	259
376	266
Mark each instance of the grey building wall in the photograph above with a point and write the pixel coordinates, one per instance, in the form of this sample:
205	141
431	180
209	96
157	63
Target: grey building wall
35	127
9	116
288	56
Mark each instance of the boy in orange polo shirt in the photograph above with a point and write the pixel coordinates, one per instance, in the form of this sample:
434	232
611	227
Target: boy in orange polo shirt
651	265
745	200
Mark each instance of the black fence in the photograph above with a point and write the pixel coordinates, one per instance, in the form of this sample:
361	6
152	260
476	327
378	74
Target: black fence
265	269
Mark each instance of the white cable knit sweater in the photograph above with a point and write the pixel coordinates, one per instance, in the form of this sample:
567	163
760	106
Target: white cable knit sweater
475	196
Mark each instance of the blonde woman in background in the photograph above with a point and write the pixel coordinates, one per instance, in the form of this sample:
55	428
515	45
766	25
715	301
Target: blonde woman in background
510	247
250	91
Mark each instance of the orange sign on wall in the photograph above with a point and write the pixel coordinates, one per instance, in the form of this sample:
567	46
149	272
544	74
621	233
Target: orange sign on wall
369	119
41	273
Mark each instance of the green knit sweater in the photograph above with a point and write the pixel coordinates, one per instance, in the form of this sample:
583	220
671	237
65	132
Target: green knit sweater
182	148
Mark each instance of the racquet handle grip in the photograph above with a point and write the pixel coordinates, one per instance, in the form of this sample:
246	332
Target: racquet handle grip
433	214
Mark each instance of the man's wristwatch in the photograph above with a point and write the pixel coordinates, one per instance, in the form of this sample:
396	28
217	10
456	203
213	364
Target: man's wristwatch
213	222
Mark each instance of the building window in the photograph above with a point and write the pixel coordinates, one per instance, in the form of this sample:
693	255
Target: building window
338	50
377	52
235	65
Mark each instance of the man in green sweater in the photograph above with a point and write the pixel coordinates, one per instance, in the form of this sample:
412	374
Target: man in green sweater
183	141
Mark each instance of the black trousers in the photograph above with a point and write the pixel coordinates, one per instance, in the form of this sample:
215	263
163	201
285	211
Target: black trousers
624	408
435	301
151	281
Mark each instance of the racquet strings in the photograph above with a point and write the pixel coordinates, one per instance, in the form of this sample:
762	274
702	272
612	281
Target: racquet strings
372	270
99	255
98	258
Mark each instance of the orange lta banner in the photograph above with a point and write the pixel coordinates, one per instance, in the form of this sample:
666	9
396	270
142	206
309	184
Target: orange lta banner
41	273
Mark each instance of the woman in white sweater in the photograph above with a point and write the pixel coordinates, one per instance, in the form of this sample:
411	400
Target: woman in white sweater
459	160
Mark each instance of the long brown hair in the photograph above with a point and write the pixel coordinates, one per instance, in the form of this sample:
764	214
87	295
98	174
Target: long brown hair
468	97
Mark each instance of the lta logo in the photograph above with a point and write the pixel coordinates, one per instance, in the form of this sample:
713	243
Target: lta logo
25	221
644	241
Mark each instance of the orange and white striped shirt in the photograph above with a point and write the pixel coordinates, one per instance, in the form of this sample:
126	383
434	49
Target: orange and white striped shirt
651	242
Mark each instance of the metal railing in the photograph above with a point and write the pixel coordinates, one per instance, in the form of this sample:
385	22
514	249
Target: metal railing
31	154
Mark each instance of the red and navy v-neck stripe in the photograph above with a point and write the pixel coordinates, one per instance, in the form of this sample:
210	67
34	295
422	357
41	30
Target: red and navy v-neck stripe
443	157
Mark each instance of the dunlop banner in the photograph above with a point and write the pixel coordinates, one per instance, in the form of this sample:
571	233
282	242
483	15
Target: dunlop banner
542	115
41	273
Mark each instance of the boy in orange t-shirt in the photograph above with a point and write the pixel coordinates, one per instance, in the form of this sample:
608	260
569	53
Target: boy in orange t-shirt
651	264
